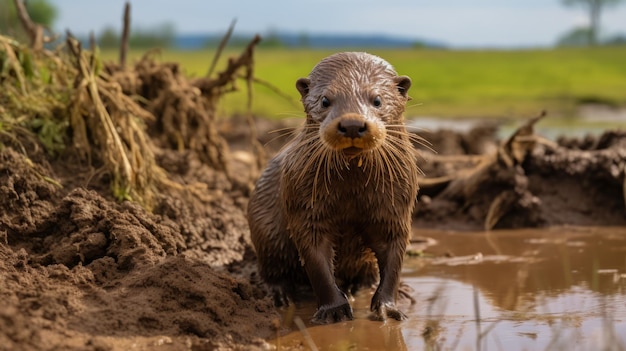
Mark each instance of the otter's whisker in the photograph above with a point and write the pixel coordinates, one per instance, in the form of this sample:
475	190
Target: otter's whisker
415	138
329	164
331	167
367	164
314	158
395	149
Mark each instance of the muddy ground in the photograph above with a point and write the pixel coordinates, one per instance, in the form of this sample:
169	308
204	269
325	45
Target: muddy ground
82	270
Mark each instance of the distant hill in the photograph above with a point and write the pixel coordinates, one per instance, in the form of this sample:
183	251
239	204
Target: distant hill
316	41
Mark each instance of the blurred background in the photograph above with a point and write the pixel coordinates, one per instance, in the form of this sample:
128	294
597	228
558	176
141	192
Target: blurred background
479	59
450	23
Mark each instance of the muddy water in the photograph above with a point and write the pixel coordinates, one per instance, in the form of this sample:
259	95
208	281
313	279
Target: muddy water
547	289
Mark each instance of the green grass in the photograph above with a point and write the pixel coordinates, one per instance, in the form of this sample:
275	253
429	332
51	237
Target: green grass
446	83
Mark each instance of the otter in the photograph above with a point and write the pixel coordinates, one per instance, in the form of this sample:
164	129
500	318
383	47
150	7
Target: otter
333	208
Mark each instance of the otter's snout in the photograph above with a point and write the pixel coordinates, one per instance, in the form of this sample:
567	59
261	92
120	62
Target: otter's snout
352	128
352	133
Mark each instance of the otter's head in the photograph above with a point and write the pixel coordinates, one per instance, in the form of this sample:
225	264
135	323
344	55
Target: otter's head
354	97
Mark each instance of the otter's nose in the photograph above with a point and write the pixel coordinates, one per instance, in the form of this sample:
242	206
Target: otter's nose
352	128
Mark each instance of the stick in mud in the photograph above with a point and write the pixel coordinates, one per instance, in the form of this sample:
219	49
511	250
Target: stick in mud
221	47
125	35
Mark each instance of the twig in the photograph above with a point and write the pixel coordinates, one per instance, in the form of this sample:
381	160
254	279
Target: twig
257	147
225	77
307	337
34	31
125	35
515	148
221	47
274	89
210	87
92	41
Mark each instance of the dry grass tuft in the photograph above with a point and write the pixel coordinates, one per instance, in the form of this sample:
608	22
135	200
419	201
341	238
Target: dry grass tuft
113	118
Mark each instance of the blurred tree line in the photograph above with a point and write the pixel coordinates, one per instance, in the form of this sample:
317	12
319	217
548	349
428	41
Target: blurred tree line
159	36
45	13
164	35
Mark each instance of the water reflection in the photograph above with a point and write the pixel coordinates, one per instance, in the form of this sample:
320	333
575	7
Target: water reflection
558	288
514	268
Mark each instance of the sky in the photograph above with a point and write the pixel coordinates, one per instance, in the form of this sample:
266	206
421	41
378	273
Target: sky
456	23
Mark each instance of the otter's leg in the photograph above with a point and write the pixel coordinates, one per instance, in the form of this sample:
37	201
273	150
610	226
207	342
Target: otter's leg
390	256
332	303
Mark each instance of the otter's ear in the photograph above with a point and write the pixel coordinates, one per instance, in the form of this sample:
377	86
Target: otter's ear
403	83
302	85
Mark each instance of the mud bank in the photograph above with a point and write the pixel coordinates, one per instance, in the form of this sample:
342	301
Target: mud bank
80	270
121	225
522	182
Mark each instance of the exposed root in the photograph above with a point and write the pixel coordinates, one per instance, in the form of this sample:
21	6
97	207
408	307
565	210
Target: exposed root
117	131
35	31
496	185
111	116
526	178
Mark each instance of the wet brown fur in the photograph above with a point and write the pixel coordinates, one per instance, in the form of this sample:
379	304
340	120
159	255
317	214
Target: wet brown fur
333	207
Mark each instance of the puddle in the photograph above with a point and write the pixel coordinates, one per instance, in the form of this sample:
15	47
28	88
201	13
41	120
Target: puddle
592	121
540	289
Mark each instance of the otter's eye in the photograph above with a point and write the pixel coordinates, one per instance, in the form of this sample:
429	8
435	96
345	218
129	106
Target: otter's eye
377	102
325	102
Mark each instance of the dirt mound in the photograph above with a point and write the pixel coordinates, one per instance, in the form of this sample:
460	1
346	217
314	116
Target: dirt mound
77	268
120	223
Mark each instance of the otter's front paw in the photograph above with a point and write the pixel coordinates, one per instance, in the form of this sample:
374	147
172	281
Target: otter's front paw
383	310
327	314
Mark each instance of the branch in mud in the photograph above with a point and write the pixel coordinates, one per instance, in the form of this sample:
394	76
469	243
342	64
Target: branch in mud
215	87
274	89
185	110
258	150
495	185
528	182
93	43
221	47
34	30
520	143
125	35
226	77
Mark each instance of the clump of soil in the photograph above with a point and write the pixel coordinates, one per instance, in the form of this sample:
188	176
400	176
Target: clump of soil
82	271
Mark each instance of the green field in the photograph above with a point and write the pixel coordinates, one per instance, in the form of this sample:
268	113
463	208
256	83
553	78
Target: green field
446	83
